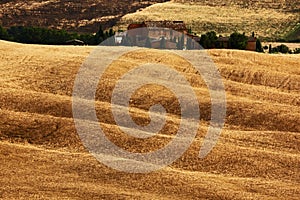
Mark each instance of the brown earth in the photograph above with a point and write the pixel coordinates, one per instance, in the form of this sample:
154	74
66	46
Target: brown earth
76	15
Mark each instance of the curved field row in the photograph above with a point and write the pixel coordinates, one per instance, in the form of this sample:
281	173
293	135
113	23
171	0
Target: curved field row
256	156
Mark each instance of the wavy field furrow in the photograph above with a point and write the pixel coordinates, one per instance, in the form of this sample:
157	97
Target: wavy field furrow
256	156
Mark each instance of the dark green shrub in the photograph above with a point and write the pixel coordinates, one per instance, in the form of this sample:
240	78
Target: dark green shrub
238	41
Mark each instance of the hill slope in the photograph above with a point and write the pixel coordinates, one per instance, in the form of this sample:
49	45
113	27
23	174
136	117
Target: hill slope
256	157
285	5
76	15
267	20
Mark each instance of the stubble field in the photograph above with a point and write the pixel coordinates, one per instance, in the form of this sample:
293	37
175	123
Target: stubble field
256	157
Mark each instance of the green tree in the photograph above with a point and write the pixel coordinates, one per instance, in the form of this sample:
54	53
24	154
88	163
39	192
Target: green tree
209	40
99	37
283	48
189	43
259	47
111	32
174	40
87	39
238	41
109	41
190	30
126	41
274	50
37	35
297	51
148	43
204	41
180	43
162	44
3	34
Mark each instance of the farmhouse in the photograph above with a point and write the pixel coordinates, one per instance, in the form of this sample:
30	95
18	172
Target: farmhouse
156	30
251	45
223	42
167	29
137	32
156	44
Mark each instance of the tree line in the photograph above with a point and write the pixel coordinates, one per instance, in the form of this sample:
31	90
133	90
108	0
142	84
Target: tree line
37	35
237	40
209	40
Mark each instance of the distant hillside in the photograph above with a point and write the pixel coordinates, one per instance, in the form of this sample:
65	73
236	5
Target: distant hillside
268	20
286	5
294	34
75	15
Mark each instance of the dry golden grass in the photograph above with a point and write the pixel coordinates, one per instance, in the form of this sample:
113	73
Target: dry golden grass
257	156
224	19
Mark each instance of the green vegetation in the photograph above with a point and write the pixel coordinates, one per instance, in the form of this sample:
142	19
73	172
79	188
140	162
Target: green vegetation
162	43
180	43
209	40
189	43
294	35
3	34
36	35
280	49
297	51
238	41
126	41
148	43
283	49
259	47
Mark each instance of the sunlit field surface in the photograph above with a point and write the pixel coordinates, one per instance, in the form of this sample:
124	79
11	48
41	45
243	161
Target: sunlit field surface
256	157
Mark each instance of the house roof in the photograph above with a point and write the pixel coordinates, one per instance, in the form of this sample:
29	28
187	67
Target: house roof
136	25
175	25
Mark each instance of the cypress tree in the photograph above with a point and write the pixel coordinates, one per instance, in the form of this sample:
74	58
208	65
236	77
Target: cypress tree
162	43
148	43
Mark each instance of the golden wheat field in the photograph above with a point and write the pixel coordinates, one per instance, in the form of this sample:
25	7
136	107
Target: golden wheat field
256	157
224	17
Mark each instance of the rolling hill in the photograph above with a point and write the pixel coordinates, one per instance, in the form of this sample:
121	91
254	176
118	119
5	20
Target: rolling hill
42	156
76	15
284	5
268	19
